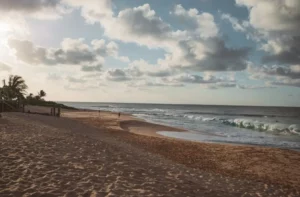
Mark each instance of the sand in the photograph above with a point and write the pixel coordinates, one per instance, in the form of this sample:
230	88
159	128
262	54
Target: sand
84	155
272	165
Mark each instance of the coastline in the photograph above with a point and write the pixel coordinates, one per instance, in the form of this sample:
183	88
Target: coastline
236	160
130	123
264	164
51	156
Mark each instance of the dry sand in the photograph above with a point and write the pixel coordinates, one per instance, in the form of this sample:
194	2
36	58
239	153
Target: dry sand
42	155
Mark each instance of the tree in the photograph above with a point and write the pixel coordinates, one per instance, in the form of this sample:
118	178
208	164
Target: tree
15	88
29	97
42	93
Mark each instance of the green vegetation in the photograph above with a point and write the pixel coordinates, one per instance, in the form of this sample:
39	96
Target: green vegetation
14	94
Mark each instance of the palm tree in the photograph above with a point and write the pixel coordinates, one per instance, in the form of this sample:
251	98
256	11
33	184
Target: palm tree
15	88
42	93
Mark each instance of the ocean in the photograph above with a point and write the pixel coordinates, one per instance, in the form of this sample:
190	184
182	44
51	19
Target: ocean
263	126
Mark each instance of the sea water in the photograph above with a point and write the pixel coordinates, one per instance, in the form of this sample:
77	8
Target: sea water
266	126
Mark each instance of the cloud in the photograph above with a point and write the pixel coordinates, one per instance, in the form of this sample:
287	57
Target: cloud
288	82
156	83
4	67
284	51
265	72
277	75
72	52
196	48
103	49
143	68
42	9
76	80
199	24
88	68
83	86
237	26
108	49
92	10
139	25
244	87
54	76
192	78
244	27
278	24
219	85
292	72
273	15
117	75
207	55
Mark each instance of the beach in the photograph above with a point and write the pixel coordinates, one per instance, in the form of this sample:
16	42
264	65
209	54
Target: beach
87	153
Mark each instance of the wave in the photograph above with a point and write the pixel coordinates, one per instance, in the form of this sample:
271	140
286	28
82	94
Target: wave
262	126
238	114
276	128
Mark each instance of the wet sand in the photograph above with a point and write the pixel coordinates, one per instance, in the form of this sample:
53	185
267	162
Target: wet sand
82	154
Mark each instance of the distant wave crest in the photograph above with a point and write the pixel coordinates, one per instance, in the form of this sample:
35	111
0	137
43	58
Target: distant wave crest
276	128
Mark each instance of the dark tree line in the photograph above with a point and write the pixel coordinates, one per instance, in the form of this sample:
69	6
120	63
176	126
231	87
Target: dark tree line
15	89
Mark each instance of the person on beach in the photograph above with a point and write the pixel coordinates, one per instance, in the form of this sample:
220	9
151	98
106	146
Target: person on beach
119	114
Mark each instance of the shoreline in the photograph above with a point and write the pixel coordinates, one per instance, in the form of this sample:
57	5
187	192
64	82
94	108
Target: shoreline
133	124
263	164
66	157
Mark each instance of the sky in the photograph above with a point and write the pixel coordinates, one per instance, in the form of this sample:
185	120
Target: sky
229	52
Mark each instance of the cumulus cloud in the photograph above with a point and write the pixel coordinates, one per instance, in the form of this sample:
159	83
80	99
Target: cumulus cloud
273	15
117	75
278	23
292	72
143	68
284	50
199	24
244	27
192	78
139	25
207	55
265	72
42	9
92	10
277	75
198	47
108	49
155	83
72	52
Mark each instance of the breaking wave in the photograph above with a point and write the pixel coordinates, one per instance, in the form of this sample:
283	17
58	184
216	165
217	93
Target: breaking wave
276	128
262	126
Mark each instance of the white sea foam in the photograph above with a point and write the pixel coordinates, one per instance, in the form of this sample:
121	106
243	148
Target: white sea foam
263	126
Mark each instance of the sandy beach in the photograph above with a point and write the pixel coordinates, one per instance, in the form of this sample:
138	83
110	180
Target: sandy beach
85	153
